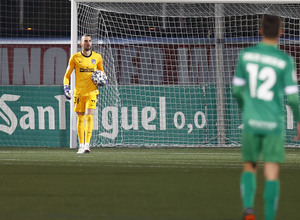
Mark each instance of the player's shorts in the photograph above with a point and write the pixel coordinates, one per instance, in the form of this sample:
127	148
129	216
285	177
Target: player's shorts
81	103
269	146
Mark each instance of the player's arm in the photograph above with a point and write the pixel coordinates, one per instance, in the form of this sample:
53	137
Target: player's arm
67	76
238	84
238	90
291	90
293	102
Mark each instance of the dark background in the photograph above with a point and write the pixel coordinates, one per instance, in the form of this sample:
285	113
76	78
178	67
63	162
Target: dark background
52	19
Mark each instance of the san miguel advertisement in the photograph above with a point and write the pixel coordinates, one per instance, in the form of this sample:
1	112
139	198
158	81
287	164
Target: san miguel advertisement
39	116
170	101
156	116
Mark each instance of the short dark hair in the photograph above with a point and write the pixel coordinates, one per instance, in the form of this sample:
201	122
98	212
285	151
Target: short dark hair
271	25
87	35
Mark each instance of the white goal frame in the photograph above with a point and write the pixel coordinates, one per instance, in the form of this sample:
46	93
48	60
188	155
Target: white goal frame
218	11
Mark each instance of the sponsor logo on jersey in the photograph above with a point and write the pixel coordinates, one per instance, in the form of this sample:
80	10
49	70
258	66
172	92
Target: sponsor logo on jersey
265	59
86	69
266	125
93	61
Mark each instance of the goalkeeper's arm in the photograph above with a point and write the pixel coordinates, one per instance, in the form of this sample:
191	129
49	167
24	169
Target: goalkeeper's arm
67	92
66	83
67	78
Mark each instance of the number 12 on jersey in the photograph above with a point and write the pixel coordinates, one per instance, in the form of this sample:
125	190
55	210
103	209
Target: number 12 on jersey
267	75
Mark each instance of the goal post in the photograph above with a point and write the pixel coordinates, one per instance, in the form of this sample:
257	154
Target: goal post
170	66
73	49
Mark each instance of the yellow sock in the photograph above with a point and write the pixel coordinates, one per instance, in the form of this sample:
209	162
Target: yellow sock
80	128
88	128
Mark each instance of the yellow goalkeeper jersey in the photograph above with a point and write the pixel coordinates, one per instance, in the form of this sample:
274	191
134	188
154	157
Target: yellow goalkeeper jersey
84	67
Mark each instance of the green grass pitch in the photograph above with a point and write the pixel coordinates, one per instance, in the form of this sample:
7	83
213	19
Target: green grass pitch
135	184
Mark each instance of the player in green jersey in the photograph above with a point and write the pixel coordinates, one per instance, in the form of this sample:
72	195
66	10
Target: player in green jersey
263	74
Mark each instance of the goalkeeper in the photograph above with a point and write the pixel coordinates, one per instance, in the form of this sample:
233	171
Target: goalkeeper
262	75
85	63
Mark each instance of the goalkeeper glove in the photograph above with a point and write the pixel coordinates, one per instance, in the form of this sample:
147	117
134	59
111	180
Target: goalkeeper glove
67	92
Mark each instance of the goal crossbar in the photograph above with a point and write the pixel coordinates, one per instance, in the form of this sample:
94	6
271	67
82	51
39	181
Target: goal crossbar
198	1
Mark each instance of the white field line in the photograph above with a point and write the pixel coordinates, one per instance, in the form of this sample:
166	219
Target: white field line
9	159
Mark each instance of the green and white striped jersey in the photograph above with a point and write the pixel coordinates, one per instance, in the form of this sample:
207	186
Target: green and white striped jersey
263	74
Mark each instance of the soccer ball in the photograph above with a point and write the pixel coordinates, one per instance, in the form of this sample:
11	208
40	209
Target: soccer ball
99	78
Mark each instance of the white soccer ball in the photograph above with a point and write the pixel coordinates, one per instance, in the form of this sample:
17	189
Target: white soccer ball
99	78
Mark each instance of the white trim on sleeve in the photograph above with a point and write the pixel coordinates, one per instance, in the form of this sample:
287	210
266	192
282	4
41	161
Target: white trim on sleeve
238	81
291	89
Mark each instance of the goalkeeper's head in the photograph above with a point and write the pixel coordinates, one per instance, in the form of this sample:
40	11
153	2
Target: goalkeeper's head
271	26
86	42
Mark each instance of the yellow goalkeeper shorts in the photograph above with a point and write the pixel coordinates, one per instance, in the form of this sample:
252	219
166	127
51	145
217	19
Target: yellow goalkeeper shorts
81	103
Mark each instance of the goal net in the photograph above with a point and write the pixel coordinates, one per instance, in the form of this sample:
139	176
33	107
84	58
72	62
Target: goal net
170	67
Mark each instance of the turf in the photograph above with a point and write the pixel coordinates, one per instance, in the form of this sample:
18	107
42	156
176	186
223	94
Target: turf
137	184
